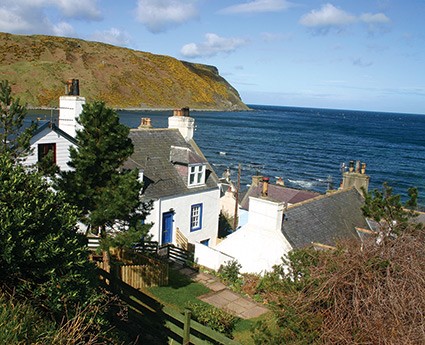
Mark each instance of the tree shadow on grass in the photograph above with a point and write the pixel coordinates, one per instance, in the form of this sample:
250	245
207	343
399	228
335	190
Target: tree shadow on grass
144	322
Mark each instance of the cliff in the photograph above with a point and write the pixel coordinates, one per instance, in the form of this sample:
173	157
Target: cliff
38	66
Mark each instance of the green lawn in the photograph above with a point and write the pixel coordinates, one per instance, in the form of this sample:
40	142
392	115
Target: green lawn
179	292
182	290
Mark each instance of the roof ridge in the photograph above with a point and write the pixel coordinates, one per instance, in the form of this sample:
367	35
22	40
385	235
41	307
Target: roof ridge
323	196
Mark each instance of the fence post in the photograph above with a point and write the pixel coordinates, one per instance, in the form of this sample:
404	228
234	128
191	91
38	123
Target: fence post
186	329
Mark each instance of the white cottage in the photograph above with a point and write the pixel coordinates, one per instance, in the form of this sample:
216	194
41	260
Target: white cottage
179	180
58	139
273	229
177	177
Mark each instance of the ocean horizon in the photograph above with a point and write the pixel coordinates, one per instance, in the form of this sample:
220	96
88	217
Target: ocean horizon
305	146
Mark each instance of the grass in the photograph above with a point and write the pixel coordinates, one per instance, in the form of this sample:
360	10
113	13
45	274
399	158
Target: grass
182	290
179	292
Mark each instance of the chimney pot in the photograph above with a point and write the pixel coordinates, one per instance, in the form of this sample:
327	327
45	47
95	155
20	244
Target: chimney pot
358	167
363	169
265	191
351	166
73	87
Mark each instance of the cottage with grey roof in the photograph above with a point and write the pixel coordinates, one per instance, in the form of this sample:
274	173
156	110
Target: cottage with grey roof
274	229
179	180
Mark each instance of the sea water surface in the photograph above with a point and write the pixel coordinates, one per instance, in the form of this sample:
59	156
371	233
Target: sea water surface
306	146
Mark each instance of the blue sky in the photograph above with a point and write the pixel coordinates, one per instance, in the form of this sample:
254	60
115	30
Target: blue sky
352	54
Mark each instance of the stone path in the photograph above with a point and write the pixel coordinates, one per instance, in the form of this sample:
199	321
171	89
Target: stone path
224	298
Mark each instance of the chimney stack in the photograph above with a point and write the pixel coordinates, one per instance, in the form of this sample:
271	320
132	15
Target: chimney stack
183	122
355	177
145	123
70	107
265	191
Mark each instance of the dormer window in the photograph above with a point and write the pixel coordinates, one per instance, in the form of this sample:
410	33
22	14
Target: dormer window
196	175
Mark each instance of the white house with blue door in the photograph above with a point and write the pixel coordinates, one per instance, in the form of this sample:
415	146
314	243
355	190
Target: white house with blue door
178	179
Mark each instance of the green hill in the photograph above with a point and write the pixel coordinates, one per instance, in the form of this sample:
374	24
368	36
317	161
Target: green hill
38	66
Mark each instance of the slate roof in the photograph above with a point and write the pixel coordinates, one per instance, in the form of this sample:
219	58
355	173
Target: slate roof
185	155
152	154
278	193
324	219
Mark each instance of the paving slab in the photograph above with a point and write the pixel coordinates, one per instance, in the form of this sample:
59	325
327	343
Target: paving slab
216	286
224	298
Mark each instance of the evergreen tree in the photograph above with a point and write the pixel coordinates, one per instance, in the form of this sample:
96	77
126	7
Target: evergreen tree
105	194
41	254
389	212
15	140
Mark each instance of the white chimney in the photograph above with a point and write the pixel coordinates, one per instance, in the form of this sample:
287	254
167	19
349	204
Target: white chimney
183	122
265	215
70	108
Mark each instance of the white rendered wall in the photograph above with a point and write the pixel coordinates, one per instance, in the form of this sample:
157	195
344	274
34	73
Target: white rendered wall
210	257
48	136
70	108
182	216
260	244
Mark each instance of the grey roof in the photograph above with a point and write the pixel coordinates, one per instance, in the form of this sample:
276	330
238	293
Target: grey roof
185	155
324	219
162	176
278	193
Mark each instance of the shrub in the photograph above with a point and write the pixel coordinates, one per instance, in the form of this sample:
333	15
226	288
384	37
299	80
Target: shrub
230	272
217	319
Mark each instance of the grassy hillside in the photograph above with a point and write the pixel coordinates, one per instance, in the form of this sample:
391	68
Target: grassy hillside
38	66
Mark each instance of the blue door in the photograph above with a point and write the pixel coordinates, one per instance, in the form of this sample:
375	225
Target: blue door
167	227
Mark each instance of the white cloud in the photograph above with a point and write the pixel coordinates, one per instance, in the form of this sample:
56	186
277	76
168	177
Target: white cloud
112	36
63	29
212	45
79	9
327	17
330	17
30	16
378	18
257	6
375	22
161	15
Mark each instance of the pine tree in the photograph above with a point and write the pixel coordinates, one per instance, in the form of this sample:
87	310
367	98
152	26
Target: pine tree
15	140
389	212
41	255
105	194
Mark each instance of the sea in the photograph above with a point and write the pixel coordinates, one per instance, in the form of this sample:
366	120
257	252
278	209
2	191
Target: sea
307	147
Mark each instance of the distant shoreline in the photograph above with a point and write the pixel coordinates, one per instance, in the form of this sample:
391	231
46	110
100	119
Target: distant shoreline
151	109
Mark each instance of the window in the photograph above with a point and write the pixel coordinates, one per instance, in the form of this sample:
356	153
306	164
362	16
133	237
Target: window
47	152
196	175
196	217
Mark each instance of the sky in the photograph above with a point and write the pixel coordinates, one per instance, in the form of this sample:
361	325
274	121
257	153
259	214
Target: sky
351	54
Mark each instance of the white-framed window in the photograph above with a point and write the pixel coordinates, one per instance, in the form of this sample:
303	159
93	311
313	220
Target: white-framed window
196	175
196	217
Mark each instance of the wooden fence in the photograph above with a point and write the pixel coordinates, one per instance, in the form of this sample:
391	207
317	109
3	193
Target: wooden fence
137	270
168	252
166	324
176	254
